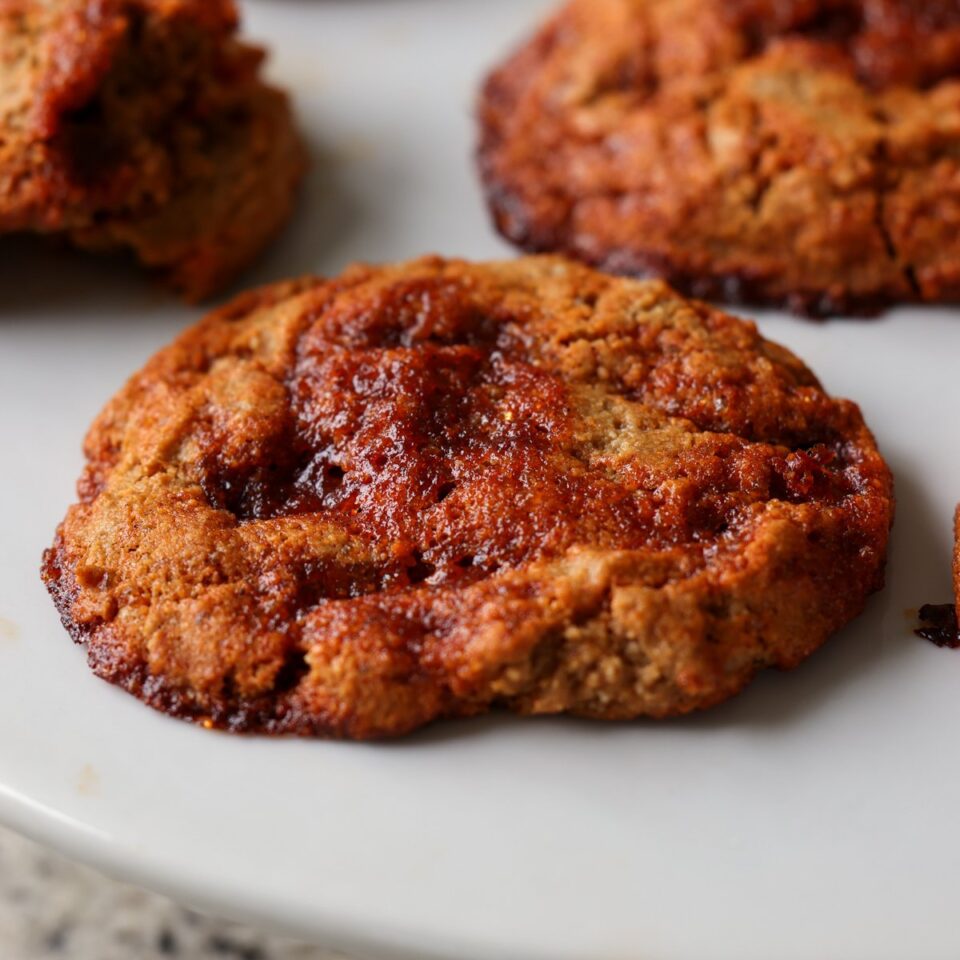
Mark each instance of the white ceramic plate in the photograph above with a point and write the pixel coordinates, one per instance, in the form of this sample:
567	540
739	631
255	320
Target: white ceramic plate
815	817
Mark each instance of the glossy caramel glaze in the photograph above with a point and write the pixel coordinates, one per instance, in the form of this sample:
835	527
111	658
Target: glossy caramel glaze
350	507
939	625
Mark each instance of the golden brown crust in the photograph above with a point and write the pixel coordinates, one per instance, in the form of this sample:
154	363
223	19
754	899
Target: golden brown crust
349	507
143	125
800	153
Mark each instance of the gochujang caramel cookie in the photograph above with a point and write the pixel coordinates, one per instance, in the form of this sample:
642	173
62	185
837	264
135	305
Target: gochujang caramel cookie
143	125
350	507
804	152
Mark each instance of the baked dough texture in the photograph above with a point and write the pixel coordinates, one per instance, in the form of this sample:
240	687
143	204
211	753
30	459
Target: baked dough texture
802	153
350	507
143	126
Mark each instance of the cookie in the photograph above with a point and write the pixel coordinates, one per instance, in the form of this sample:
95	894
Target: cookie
804	154
938	621
143	126
350	507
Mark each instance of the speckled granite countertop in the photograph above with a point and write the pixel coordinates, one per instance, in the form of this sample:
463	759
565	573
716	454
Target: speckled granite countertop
51	909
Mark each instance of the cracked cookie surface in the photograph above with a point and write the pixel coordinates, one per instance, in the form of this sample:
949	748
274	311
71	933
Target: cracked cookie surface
143	126
350	507
801	153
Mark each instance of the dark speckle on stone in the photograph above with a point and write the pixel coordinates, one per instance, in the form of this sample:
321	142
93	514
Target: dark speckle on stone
167	943
226	947
56	939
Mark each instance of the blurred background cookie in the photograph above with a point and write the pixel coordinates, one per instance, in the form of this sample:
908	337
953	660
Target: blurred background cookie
799	153
143	125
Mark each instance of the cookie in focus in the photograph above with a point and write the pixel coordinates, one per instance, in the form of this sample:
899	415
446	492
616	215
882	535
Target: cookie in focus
350	507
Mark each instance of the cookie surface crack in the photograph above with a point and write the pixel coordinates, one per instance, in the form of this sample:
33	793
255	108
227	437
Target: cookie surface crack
882	161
